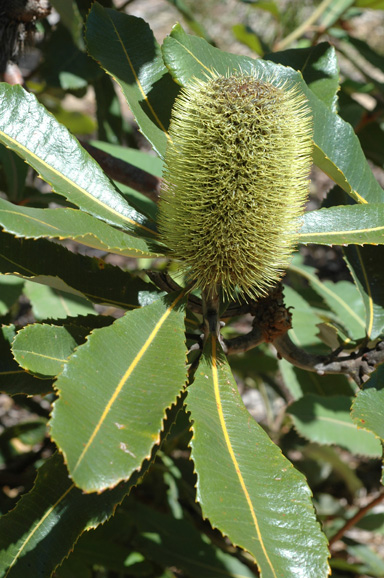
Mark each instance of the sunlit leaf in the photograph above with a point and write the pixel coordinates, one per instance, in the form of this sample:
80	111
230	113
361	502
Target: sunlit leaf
255	496
124	369
187	57
346	225
126	48
43	349
32	132
75	225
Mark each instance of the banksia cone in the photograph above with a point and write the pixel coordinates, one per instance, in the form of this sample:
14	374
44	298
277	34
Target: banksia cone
235	181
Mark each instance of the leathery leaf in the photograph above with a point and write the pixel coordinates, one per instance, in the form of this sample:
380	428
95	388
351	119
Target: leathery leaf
255	496
114	391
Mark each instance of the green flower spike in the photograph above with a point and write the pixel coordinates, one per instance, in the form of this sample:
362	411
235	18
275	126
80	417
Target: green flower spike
235	181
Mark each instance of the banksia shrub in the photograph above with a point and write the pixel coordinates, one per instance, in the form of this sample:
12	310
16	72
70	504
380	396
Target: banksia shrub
235	181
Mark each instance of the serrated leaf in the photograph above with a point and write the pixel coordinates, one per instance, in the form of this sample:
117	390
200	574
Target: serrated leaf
342	298
327	420
13	378
369	279
319	67
71	273
47	521
255	496
126	48
75	225
187	57
345	225
124	370
33	133
43	349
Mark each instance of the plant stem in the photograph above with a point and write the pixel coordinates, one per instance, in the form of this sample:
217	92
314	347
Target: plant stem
303	27
353	521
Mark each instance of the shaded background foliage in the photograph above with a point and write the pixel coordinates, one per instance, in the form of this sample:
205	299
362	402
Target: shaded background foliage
158	530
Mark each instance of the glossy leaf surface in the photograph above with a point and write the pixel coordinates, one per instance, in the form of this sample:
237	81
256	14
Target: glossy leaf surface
327	420
355	224
41	530
187	56
32	132
70	273
126	48
124	368
75	225
255	496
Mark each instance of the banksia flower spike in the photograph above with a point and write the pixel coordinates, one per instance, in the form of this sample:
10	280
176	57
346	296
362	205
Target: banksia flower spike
235	181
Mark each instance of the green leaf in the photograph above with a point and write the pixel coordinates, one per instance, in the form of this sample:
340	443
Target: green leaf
124	370
49	303
75	225
369	279
65	65
187	57
13	379
47	521
10	290
177	543
108	111
43	349
33	133
319	67
247	36
344	225
342	298
144	161
71	273
300	382
15	172
305	320
255	496
327	420
126	48
368	407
